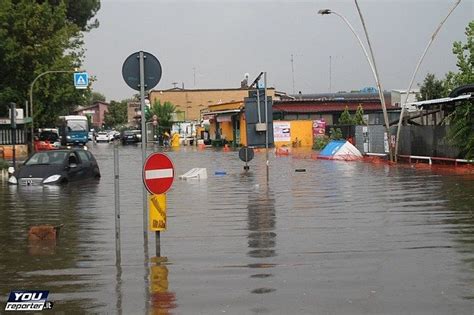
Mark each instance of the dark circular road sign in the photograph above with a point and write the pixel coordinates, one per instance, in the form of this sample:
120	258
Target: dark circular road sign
131	70
246	154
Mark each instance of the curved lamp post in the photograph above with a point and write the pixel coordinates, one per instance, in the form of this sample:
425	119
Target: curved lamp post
400	120
31	96
372	67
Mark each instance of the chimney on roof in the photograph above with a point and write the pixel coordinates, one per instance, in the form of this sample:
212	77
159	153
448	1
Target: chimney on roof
244	84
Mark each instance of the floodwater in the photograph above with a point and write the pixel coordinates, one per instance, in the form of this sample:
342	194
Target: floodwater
339	238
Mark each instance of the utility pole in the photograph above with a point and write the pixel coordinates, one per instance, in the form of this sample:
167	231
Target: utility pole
330	74
293	73
13	126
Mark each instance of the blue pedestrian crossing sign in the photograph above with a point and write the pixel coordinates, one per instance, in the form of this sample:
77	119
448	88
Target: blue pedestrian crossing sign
81	80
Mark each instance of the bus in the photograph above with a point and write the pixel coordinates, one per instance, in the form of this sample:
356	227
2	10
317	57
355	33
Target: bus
74	130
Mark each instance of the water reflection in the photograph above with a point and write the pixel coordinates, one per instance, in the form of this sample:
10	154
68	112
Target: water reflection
48	264
161	299
460	224
261	238
356	238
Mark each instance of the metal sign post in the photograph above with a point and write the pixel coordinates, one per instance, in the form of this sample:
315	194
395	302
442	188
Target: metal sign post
141	71
158	177
13	126
266	121
142	108
117	205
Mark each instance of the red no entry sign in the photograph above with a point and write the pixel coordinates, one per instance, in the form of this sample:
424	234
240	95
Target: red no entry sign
158	173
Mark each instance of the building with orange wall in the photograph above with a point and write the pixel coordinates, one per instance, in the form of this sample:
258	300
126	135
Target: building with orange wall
192	102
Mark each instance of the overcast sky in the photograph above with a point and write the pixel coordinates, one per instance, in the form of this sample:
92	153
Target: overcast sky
212	44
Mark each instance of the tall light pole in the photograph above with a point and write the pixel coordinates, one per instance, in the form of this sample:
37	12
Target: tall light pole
31	96
382	98
372	67
402	112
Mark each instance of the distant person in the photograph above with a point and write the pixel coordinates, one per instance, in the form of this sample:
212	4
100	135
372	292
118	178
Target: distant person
166	139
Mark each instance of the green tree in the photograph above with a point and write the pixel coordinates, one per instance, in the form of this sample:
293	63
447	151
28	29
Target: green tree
431	88
461	120
116	114
359	116
36	37
335	134
346	118
163	112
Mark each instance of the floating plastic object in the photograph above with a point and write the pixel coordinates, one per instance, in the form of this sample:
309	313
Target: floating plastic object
220	173
197	173
340	150
300	170
283	151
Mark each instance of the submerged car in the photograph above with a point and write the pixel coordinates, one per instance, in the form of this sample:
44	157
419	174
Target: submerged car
56	167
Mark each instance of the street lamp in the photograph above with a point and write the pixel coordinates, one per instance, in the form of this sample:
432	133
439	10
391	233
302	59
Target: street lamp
400	119
372	67
31	96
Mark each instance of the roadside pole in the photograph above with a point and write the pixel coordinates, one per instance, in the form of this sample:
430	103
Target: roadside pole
133	72
158	176
13	127
117	204
142	107
266	122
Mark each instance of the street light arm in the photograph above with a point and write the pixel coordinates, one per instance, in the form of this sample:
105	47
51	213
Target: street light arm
327	11
31	95
36	79
402	112
371	62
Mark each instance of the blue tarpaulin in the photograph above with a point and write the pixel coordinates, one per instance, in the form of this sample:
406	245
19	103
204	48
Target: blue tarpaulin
331	148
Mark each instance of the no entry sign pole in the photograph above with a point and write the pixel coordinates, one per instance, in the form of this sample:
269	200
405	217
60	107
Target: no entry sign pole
158	176
142	107
142	71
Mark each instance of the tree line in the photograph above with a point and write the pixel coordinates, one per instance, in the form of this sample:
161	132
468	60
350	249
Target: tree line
39	36
461	118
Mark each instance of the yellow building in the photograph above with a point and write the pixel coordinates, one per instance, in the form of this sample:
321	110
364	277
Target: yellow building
300	133
227	122
192	102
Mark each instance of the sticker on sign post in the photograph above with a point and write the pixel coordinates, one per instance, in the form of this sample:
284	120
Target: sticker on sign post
157	212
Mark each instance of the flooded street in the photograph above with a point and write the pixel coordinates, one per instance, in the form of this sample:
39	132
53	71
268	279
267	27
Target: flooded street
339	238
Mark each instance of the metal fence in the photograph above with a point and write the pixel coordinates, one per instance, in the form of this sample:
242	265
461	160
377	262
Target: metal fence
414	140
6	136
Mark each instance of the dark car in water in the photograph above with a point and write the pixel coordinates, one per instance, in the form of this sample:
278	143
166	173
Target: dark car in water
56	167
129	136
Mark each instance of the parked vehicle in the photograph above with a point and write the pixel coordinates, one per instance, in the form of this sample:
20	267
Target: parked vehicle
115	135
48	139
138	133
102	136
56	167
74	129
129	136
